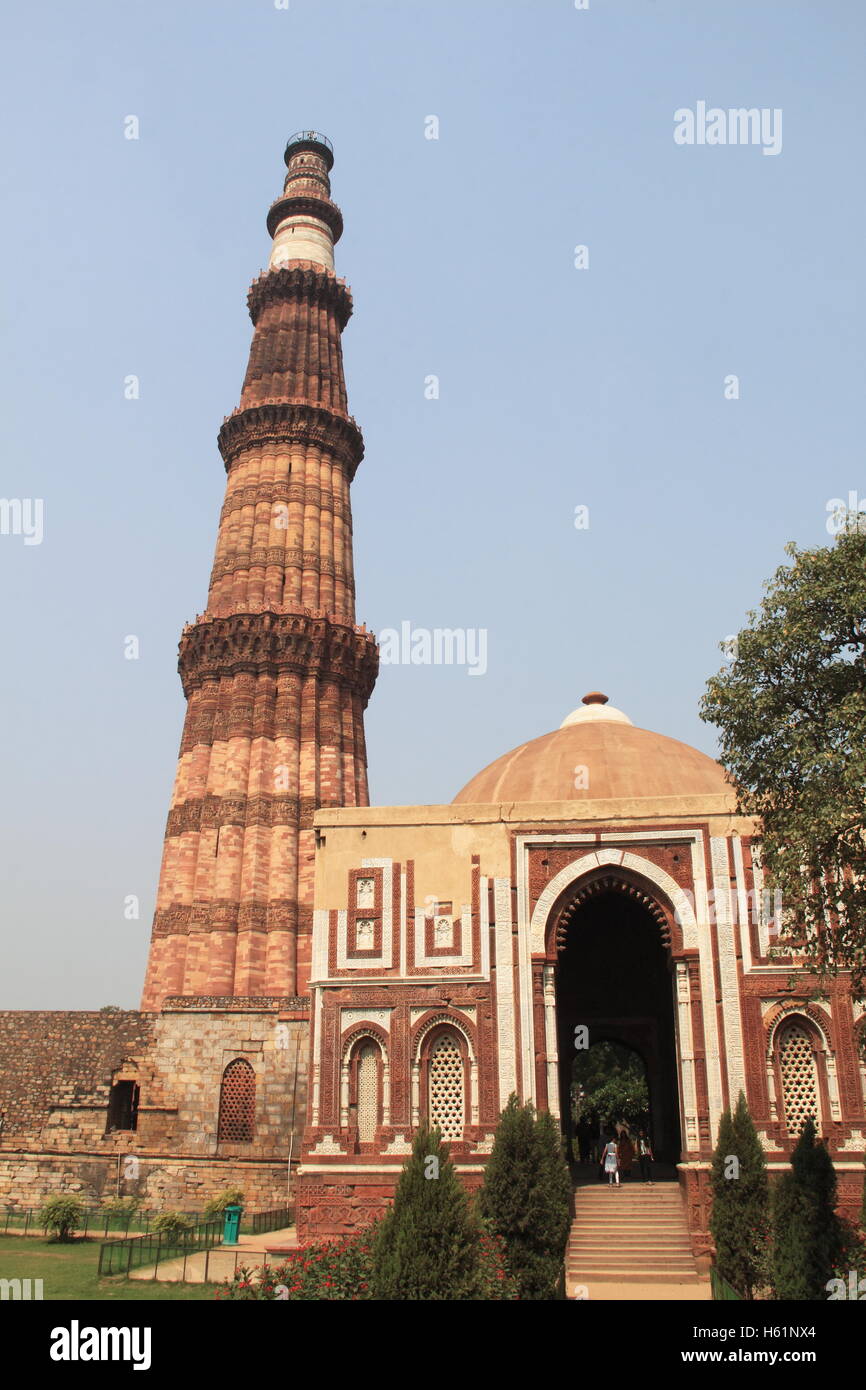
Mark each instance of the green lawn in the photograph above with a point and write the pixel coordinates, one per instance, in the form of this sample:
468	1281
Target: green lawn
69	1272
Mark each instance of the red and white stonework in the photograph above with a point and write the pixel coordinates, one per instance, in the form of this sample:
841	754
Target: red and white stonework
325	975
460	934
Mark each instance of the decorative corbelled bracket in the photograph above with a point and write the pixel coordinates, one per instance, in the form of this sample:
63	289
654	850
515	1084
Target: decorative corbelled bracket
273	642
300	281
290	422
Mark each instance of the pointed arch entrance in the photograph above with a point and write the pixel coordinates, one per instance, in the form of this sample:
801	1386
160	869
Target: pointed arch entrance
610	947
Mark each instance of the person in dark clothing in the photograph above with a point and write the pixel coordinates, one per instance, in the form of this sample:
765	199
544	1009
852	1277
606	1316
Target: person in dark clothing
645	1156
583	1138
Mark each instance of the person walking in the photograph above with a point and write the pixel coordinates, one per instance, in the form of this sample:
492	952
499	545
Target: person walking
625	1154
611	1162
645	1156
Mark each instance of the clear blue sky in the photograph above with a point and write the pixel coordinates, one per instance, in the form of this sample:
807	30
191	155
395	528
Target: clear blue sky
559	387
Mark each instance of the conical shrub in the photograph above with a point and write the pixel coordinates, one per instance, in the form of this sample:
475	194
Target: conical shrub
525	1198
740	1219
427	1245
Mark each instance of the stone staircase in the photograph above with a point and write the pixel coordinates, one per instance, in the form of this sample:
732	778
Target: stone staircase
628	1235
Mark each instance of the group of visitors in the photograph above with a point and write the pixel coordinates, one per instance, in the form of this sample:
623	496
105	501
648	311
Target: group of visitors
615	1147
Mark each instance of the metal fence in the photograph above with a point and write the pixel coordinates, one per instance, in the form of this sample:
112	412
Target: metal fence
224	1261
135	1252
215	1261
722	1290
273	1220
95	1221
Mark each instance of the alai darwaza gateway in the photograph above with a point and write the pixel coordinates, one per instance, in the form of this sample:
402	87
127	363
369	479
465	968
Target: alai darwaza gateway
594	883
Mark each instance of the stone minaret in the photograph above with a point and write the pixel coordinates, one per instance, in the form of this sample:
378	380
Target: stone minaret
275	672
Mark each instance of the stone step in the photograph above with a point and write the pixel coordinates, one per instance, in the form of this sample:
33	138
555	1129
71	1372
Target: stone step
612	1227
622	1217
602	1231
615	1201
647	1275
623	1195
612	1211
655	1257
637	1236
675	1244
630	1258
588	1250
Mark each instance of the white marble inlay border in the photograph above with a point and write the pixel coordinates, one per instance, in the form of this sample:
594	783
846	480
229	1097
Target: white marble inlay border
384	959
429	962
728	979
506	1019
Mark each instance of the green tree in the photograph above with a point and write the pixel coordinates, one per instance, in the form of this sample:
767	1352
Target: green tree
793	1277
740	1218
525	1197
791	710
808	1236
62	1215
609	1081
427	1246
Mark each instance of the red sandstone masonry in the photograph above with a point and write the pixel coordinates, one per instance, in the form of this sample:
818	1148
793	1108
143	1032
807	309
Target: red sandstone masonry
276	674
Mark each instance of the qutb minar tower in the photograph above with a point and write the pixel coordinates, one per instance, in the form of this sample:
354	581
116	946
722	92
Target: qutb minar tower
275	672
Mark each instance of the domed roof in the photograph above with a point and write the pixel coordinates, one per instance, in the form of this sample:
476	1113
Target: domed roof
596	754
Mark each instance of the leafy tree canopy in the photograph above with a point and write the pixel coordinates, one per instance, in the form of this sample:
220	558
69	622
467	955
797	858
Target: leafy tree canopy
791	710
609	1082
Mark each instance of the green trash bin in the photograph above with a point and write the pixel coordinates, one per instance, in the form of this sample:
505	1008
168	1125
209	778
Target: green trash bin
231	1224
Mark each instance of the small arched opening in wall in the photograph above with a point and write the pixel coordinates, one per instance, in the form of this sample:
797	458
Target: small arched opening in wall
610	974
123	1099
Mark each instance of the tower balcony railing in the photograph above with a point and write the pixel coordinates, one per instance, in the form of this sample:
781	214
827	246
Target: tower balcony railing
302	136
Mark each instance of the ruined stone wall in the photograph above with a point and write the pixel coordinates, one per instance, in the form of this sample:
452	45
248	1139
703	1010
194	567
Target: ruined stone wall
56	1068
56	1072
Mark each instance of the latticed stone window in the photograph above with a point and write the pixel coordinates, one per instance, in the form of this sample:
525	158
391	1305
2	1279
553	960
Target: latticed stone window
445	1087
237	1103
799	1076
368	1092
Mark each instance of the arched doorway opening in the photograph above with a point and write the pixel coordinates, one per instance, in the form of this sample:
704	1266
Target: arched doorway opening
614	984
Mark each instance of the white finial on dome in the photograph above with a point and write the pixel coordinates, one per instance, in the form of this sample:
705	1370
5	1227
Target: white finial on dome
595	707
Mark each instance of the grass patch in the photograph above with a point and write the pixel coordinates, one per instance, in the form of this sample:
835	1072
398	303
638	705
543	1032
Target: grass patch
68	1271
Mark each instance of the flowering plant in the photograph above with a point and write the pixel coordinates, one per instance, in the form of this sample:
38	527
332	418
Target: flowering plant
342	1270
